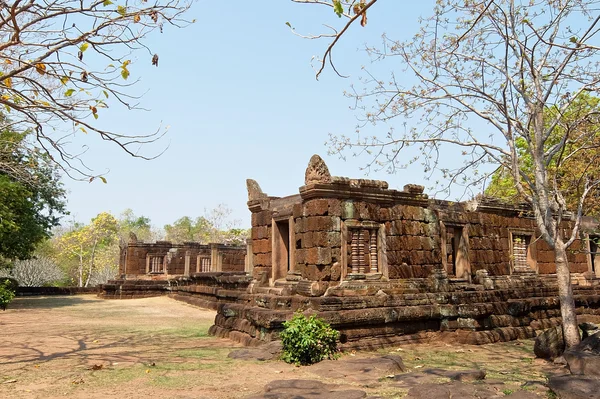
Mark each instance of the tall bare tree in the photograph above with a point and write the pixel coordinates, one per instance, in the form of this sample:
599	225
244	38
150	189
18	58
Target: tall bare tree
35	272
63	61
483	76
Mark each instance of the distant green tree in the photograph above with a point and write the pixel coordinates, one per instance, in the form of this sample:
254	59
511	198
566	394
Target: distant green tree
32	198
214	226
128	223
578	127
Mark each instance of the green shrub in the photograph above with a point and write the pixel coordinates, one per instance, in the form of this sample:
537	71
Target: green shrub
308	340
7	292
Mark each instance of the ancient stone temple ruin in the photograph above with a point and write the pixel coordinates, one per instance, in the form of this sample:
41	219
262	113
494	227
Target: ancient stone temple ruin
385	267
150	269
163	259
339	230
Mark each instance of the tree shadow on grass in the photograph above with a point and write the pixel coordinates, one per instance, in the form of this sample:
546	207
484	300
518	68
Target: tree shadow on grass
46	302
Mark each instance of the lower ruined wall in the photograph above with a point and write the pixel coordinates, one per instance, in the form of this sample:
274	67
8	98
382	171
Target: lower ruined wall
205	290
173	258
233	259
373	321
43	291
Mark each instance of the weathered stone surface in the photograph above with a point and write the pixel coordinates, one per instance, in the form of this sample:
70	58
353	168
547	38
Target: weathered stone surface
584	359
317	171
453	390
575	387
254	190
298	389
361	370
430	375
268	351
550	343
414	188
588	329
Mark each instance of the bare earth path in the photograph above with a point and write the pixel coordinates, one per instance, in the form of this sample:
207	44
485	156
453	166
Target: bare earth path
85	347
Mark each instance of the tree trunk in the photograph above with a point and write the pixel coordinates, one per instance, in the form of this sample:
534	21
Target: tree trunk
92	258
565	292
80	282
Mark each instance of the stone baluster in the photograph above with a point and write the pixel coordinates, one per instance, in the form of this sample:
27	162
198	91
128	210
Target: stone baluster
373	250
361	251
354	248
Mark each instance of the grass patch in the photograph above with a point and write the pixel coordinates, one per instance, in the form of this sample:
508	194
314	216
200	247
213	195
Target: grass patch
204	353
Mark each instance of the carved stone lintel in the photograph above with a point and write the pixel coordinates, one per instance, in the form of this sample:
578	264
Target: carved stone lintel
317	171
254	190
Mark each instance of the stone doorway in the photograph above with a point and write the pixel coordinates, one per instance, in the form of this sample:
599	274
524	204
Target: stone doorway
457	252
281	249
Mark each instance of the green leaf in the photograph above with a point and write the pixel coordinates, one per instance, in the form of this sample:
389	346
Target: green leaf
124	73
288	24
337	8
84	47
103	179
95	116
106	3
105	93
69	92
64	80
122	10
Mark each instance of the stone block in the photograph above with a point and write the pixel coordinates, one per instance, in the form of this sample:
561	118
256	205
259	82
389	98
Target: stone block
348	210
262	218
261	246
335	207
318	256
319	223
384	214
300	256
316	207
299	225
297	210
414	243
262	259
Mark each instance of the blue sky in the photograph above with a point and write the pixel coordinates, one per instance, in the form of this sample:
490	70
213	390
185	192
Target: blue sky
241	100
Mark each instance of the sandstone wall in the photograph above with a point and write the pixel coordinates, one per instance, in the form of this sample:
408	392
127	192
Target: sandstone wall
133	258
318	239
261	243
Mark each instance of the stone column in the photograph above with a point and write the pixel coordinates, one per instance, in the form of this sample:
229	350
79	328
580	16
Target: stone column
215	264
373	250
249	261
361	251
186	270
354	249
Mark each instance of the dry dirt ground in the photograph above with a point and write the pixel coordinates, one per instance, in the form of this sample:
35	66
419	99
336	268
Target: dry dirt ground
85	347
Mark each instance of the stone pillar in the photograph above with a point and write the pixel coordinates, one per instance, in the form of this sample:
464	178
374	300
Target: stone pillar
147	263
373	250
215	259
361	251
186	270
249	261
354	249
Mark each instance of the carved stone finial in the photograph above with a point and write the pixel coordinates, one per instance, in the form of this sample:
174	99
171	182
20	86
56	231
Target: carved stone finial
317	171
132	237
413	189
254	190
